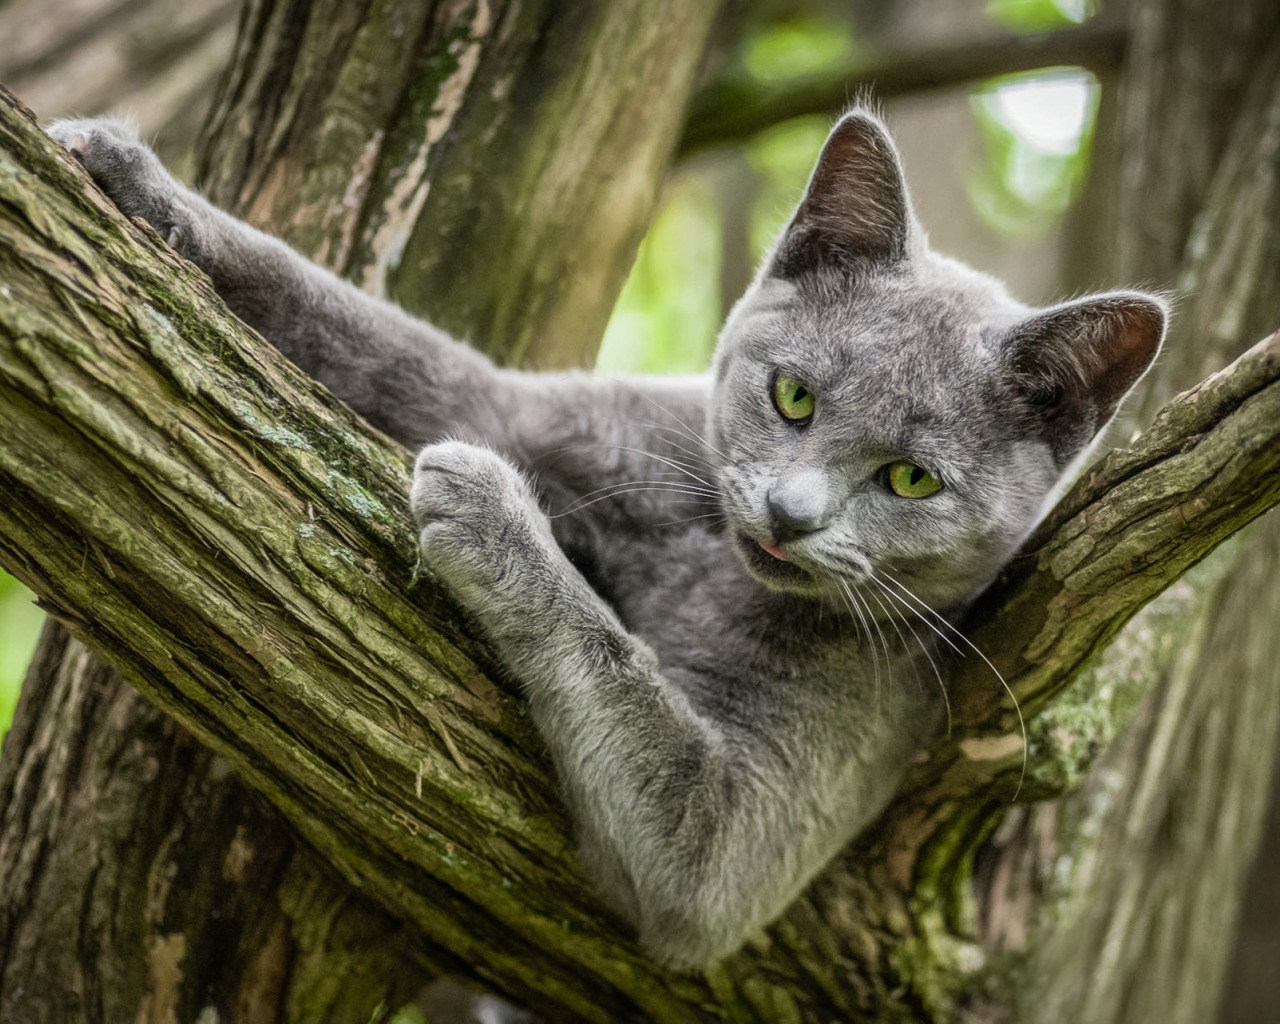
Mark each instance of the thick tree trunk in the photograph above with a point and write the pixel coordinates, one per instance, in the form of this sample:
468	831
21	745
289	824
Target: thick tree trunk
143	883
188	884
449	155
301	649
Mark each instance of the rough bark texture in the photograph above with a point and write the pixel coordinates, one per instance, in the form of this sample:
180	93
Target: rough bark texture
448	155
1252	989
190	893
194	889
1151	855
381	741
303	650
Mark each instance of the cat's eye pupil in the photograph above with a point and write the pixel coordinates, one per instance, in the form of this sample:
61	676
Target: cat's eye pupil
792	398
908	480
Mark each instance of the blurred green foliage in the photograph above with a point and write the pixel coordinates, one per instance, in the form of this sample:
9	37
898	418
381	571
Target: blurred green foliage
782	158
409	1015
20	622
672	305
1040	15
669	308
1037	131
1037	128
794	47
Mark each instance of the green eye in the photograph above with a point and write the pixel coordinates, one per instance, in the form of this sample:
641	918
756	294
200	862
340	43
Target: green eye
792	398
911	481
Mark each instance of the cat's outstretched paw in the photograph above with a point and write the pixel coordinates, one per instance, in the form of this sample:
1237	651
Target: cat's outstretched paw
481	530
127	171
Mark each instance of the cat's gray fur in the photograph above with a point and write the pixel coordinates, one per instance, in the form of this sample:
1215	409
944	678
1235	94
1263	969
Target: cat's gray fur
722	721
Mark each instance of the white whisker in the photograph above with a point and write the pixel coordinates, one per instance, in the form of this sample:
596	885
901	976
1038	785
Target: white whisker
674	485
924	648
866	629
888	614
918	614
884	643
697	457
691	495
681	427
690	519
679	465
1022	725
665	460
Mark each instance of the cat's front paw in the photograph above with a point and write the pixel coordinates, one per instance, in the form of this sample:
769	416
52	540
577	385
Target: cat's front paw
481	530
127	171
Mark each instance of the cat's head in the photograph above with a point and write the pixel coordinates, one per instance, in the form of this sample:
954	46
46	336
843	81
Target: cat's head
880	409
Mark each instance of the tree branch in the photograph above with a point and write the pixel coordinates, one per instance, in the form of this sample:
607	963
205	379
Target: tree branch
1130	527
1142	516
221	529
732	108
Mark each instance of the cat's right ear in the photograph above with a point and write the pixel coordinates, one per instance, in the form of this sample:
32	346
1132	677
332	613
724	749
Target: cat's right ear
1075	363
855	211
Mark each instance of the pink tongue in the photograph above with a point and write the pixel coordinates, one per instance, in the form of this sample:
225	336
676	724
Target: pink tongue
774	550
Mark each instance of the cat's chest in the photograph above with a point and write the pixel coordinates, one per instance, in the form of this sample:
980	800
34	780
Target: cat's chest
681	590
728	642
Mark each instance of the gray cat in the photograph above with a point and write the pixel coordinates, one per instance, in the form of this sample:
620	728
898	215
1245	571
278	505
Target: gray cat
723	596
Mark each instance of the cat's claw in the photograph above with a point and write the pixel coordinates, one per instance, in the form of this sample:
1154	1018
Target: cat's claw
77	145
126	170
76	134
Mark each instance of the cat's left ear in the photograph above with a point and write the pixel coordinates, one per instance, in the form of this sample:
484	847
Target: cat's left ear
1074	363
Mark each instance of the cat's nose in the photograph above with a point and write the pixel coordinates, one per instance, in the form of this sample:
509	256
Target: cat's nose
797	505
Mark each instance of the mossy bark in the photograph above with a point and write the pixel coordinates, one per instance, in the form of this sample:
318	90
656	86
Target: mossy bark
173	501
1124	898
144	883
252	572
